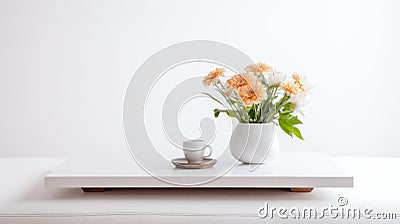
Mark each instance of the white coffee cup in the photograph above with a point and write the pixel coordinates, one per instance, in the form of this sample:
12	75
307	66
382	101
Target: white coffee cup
194	150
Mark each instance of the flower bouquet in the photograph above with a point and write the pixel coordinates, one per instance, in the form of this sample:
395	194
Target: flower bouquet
261	95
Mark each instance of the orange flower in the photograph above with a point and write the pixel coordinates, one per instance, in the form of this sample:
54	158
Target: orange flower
258	67
249	78
213	76
252	93
290	87
298	81
240	80
236	81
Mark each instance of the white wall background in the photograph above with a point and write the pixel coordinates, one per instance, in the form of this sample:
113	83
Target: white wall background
65	66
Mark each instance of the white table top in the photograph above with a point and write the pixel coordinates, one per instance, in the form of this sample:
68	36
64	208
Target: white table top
289	169
25	199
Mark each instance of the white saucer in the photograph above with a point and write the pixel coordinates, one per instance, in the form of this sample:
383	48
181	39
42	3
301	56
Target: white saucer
183	163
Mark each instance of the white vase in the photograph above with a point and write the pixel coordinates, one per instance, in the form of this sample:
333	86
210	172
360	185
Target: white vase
254	143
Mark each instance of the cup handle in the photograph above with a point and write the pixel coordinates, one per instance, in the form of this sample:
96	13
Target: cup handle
209	154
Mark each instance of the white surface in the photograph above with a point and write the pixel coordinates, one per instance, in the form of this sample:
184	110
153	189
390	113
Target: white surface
287	170
24	199
65	66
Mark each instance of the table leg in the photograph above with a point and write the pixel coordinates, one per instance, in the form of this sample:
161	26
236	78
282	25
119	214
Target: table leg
301	189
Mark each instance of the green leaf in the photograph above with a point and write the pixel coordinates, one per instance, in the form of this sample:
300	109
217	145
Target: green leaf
285	127
252	113
287	107
295	120
248	108
287	122
297	132
227	112
284	116
216	113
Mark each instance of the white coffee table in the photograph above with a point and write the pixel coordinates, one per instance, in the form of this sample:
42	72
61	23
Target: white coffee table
300	172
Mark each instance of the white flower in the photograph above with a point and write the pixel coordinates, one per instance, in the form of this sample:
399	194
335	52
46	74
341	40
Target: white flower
299	101
275	78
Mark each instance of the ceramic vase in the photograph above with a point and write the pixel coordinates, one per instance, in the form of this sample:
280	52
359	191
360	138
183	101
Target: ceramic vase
254	143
